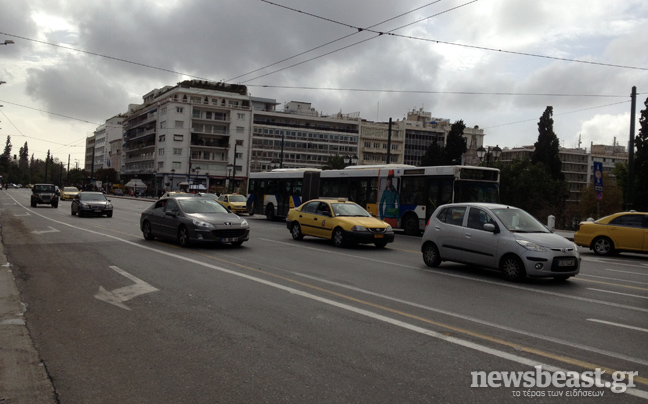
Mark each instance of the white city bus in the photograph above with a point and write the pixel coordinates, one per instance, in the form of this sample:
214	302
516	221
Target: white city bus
402	195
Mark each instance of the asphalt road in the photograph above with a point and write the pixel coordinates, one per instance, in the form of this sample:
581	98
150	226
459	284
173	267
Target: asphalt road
115	318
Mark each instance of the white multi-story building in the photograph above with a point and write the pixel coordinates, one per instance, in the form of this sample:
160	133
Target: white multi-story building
420	129
299	136
104	135
196	132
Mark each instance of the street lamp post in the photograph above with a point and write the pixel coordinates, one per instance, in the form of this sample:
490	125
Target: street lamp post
350	160
172	172
196	172
230	167
155	186
487	152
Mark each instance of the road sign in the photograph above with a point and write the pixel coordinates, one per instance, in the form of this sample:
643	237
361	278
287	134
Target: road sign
598	179
599	195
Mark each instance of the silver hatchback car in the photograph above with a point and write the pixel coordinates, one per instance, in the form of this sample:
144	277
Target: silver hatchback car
499	237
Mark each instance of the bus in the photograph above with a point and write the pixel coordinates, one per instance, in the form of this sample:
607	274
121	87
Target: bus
404	196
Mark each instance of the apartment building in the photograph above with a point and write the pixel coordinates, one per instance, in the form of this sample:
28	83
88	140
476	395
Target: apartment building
299	136
574	166
110	131
194	133
420	130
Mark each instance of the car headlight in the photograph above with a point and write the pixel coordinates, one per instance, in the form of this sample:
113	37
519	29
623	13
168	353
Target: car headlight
244	223
109	206
388	228
531	246
359	228
84	205
204	225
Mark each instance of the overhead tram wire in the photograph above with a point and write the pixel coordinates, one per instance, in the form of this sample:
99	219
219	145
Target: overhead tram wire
379	33
391	32
328	43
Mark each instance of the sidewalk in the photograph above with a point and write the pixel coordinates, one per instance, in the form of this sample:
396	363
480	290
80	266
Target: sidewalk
23	378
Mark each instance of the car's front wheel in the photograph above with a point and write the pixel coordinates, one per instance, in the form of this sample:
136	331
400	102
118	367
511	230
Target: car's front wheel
109	214
603	246
72	211
146	231
513	268
183	237
431	255
338	237
296	231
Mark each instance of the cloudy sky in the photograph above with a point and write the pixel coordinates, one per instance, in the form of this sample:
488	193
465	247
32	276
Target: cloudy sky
493	63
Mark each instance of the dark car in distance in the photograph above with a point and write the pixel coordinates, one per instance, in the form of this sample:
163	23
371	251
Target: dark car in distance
190	219
45	194
92	204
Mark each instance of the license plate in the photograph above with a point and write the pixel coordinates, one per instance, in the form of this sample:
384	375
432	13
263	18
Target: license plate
97	210
566	263
229	239
378	236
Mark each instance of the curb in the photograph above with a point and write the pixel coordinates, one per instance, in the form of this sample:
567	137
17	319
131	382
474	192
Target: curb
23	378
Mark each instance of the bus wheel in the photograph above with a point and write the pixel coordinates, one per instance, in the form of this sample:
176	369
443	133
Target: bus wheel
270	212
411	225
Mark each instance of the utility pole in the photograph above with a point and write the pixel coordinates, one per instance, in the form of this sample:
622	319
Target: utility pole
234	166
389	135
633	106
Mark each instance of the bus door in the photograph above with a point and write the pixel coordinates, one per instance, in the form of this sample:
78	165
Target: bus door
439	193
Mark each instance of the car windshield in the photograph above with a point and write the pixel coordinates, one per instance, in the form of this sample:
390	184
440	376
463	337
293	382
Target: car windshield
70	189
519	221
349	209
201	205
44	188
92	197
237	198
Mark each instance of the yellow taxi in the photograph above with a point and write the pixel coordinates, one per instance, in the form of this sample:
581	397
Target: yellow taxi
623	231
235	202
341	221
68	193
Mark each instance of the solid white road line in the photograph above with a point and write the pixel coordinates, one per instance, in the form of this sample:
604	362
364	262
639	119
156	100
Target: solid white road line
617	324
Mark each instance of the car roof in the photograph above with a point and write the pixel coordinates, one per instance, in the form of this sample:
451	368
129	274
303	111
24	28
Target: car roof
332	200
488	205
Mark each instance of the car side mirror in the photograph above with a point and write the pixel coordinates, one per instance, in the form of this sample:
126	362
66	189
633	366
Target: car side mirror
171	213
491	227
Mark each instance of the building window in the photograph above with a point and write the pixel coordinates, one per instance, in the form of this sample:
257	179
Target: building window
161	138
179	110
163	125
163	110
196	113
179	124
240	117
240	129
178	138
161	152
177	151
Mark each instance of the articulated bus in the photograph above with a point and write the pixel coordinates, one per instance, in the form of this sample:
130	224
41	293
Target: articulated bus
402	195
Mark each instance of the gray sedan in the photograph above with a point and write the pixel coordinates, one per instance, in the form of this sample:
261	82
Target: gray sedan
190	219
498	237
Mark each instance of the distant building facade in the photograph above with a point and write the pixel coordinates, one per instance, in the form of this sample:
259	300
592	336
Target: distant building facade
299	136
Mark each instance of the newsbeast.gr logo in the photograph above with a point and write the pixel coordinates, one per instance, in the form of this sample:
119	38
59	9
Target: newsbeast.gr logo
539	378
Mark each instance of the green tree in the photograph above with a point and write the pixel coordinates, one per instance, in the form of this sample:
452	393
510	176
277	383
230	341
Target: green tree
334	162
530	187
640	164
435	155
455	145
612	201
547	147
